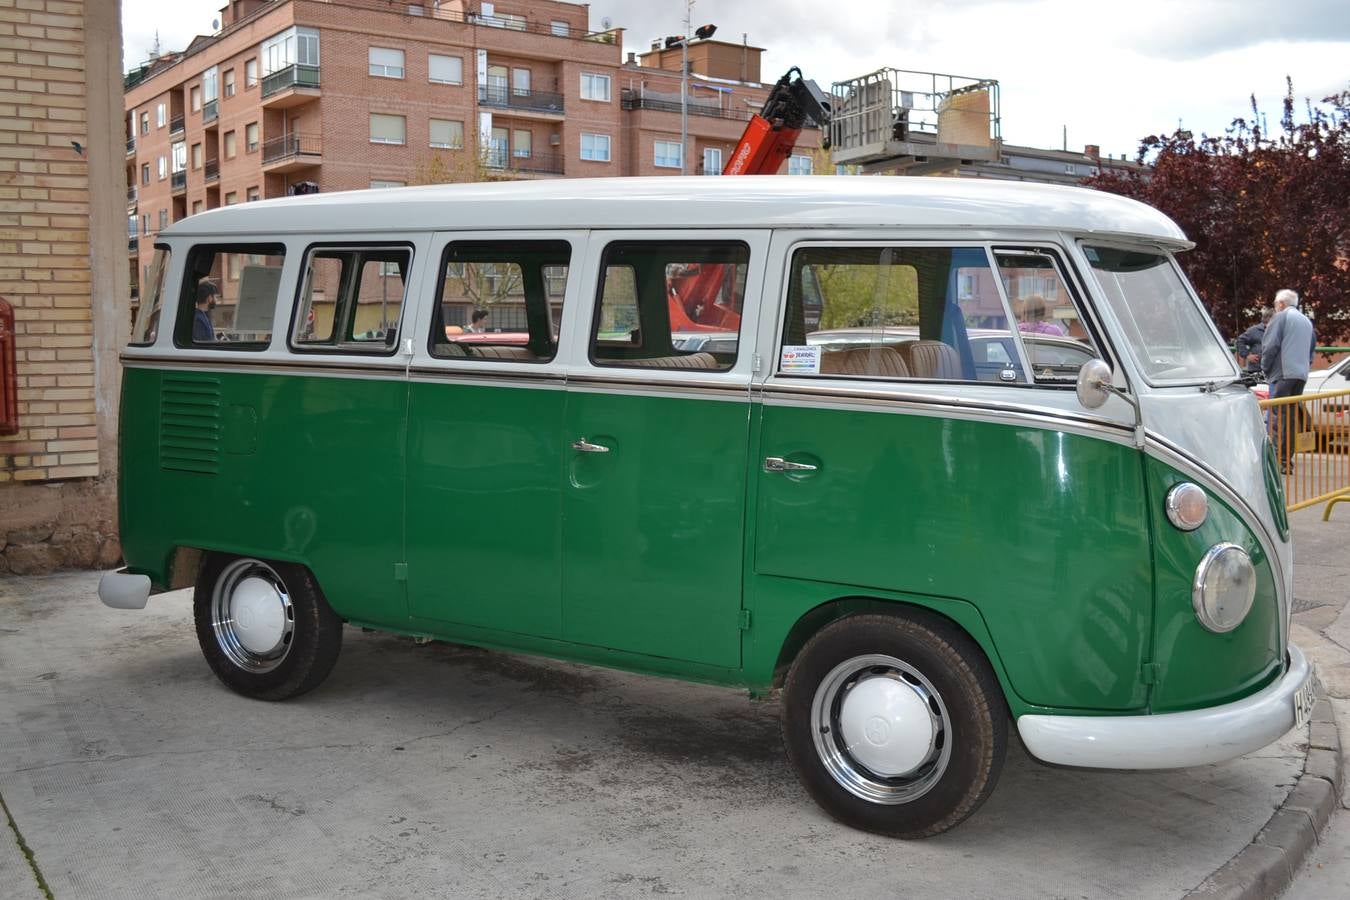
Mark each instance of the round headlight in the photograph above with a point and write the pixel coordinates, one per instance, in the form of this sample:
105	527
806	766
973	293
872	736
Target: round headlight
1225	584
1187	506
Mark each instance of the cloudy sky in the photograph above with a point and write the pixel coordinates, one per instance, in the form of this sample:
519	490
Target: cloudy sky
1110	72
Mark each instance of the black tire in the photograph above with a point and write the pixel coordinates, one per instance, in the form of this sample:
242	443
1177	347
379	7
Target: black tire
941	673
308	634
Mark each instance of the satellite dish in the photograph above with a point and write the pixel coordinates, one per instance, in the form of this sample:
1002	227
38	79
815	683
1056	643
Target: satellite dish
215	24
606	23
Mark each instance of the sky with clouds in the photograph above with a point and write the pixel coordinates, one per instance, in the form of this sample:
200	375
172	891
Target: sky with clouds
1109	72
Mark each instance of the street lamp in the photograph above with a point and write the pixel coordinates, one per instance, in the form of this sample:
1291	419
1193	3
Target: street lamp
702	33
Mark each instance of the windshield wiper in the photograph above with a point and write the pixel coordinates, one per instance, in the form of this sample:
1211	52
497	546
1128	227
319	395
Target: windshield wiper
1246	379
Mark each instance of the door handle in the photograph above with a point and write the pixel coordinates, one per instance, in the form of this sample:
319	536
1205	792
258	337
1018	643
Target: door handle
778	464
586	446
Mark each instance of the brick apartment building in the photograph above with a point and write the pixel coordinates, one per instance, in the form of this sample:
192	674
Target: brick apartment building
353	94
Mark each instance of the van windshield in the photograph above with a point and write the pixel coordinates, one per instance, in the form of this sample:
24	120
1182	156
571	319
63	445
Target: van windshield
1165	328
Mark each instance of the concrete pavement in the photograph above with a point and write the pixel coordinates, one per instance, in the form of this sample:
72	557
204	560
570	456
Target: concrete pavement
440	770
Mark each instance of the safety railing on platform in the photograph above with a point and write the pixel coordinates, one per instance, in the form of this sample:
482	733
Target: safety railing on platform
1311	436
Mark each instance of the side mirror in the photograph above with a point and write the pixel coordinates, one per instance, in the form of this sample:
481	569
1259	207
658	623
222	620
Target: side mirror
1094	383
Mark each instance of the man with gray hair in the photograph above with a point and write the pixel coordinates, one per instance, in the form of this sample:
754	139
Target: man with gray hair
1286	356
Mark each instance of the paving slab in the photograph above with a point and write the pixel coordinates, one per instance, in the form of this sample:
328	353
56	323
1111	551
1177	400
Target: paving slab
440	770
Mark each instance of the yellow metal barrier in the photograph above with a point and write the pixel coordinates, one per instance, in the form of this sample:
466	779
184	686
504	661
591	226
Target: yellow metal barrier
1311	435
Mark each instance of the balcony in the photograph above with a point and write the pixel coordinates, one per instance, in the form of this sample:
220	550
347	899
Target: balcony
291	86
291	152
132	194
178	182
210	111
176	125
500	96
212	170
534	164
131	146
671	103
133	245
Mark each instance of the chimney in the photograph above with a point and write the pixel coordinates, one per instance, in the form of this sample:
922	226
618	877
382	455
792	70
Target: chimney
632	58
1093	151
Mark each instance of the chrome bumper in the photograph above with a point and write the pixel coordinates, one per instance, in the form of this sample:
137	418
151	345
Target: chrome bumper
1170	740
121	590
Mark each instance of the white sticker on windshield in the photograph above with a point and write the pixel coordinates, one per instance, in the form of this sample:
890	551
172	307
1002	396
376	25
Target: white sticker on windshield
800	360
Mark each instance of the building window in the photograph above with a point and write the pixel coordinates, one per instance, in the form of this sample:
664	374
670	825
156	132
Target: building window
446	134
163	219
196	156
231	198
145	173
520	82
250	73
387	129
378	185
161	115
145	123
294	46
196	94
595	147
251	137
560	29
179	151
229	145
386	62
445	69
799	164
594	87
521	144
209	85
228	82
163	168
197	206
252	194
668	155
145	223
712	160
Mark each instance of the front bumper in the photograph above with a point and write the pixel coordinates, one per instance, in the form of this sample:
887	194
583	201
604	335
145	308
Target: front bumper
122	590
1170	740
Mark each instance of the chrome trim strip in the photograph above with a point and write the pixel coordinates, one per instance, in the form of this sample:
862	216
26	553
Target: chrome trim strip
676	390
382	371
1165	451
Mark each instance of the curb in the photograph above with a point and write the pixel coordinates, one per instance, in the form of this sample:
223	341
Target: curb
1266	866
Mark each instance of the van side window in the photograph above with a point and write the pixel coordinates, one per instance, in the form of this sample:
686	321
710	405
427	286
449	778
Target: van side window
670	305
501	301
1056	339
931	313
229	296
351	298
146	329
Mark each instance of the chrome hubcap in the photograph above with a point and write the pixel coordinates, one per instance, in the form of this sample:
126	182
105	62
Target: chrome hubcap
881	729
252	615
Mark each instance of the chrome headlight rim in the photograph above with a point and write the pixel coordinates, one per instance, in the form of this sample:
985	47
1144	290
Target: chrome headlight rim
1202	571
1181	502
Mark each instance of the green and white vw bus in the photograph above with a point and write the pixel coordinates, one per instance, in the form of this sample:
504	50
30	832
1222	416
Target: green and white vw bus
1021	488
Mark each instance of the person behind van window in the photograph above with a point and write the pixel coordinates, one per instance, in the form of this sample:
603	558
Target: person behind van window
1286	355
478	322
203	329
1032	318
1249	343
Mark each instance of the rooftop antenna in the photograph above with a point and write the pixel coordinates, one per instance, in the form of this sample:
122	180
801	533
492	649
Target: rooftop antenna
154	50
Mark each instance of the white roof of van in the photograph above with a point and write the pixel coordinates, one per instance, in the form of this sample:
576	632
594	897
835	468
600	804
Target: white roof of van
758	201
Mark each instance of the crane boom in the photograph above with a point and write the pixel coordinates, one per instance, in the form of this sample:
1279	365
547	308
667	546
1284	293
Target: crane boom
772	133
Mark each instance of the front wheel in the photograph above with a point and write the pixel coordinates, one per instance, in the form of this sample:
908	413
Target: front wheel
895	725
264	626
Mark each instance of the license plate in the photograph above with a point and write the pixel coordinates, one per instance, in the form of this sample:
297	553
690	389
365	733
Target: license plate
1303	704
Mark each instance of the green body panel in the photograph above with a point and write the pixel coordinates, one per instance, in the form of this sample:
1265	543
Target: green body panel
484	506
652	541
306	469
1198	667
1045	532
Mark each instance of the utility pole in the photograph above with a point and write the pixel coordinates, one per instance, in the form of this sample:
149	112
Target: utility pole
684	89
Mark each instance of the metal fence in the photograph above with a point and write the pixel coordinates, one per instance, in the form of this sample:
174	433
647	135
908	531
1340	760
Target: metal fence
1311	436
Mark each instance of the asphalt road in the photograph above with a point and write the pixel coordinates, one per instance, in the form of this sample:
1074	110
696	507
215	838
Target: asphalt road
440	770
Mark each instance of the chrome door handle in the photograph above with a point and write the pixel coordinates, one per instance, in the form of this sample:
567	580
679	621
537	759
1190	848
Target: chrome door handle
778	464
586	446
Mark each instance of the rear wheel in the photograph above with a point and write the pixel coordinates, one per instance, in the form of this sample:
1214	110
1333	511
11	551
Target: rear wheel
895	725
264	626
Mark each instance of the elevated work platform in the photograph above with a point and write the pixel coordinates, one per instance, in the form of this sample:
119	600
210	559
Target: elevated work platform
904	119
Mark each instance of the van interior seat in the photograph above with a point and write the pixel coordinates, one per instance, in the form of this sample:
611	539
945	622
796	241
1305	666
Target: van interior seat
681	361
931	359
875	361
492	351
